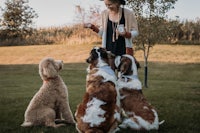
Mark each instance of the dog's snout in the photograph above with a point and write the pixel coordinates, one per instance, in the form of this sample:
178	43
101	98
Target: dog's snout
60	61
88	60
59	64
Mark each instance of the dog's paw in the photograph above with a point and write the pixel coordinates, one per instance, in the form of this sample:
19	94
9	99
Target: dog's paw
161	122
26	124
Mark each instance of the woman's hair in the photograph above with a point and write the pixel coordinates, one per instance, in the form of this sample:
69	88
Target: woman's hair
121	2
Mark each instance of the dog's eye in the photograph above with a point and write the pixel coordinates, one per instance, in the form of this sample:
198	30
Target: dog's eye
48	63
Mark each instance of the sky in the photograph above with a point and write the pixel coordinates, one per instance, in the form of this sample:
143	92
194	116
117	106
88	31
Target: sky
61	12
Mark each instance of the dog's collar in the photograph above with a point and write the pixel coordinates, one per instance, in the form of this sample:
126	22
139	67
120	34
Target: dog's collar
129	81
127	78
48	79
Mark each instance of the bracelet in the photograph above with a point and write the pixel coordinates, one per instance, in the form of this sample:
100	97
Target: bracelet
127	35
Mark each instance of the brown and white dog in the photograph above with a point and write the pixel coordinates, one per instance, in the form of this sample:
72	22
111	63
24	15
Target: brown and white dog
98	111
138	113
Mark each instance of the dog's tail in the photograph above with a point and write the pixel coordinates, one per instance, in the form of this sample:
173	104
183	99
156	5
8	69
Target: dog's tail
161	122
26	124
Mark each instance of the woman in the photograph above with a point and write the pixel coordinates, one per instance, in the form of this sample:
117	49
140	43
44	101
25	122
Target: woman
115	38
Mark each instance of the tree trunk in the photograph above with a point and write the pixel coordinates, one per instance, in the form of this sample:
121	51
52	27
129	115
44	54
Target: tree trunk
145	72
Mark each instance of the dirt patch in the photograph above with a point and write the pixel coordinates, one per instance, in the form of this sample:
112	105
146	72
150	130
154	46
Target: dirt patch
78	53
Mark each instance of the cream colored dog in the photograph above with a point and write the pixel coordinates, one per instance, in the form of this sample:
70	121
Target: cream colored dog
50	103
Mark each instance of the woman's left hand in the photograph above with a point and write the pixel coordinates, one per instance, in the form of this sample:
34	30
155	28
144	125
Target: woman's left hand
125	34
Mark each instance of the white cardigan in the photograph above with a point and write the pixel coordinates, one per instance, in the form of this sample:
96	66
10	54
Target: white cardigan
130	25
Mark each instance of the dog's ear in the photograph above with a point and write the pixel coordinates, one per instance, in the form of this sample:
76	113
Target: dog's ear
47	69
103	53
93	56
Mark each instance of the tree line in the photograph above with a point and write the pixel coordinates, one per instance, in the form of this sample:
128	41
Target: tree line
17	19
185	32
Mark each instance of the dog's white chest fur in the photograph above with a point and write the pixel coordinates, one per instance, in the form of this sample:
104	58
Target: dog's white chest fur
107	73
94	114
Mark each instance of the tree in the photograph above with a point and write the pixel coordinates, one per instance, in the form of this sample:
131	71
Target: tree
80	14
92	15
17	19
152	25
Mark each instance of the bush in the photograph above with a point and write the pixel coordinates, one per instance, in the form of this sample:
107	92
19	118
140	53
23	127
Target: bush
53	35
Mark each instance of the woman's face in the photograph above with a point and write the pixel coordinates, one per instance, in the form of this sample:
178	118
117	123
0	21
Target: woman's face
111	5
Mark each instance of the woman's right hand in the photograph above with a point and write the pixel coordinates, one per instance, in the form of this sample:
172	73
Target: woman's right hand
91	26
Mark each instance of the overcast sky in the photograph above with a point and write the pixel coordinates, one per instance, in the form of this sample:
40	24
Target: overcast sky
61	12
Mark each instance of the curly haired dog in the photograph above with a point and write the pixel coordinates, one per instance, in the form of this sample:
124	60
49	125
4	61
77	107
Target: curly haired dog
51	101
138	113
98	112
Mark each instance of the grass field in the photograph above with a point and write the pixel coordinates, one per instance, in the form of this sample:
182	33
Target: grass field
174	89
174	84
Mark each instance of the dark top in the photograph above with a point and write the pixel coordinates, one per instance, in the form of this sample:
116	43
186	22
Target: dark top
117	47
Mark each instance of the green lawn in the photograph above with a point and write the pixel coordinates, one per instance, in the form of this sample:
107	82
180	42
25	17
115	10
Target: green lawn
174	89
